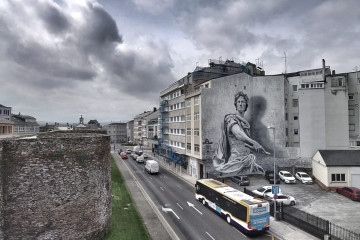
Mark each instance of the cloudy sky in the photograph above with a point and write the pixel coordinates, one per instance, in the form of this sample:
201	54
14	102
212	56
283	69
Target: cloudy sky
109	59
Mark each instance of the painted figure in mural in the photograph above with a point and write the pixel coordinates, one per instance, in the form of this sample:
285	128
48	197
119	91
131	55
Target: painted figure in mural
234	154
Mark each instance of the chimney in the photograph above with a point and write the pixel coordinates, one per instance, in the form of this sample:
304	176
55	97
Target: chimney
155	109
333	72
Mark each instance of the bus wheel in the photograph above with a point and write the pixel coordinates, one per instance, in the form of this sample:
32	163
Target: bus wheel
204	202
228	219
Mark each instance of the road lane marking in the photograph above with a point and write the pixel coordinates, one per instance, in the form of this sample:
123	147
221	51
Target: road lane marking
161	188
180	206
169	210
179	187
192	205
240	232
150	178
272	237
210	236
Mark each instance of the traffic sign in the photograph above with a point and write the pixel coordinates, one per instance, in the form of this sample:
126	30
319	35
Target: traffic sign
275	189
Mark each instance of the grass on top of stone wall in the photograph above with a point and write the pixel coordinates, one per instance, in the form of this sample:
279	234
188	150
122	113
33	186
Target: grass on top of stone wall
126	222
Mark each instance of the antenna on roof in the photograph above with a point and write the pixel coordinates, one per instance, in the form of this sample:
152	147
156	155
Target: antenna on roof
285	61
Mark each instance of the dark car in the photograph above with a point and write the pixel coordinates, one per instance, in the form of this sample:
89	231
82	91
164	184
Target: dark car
269	175
241	180
351	192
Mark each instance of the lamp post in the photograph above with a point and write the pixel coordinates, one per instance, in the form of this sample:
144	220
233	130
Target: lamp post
273	128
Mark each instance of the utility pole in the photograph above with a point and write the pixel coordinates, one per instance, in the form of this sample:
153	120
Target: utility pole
358	100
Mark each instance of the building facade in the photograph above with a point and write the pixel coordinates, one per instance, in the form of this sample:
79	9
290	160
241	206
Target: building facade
293	114
130	131
24	125
117	132
5	112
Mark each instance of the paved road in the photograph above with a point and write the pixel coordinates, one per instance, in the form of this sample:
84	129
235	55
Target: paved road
176	201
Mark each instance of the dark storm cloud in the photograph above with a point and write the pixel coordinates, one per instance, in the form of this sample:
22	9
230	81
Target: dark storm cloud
54	20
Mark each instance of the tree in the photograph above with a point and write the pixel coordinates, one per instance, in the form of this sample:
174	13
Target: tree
93	122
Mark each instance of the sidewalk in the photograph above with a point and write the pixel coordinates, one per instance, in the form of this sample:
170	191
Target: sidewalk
280	229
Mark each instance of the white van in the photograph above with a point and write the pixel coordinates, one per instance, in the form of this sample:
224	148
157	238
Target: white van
152	166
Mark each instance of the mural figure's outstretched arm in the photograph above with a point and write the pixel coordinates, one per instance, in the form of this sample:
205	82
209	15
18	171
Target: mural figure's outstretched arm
250	143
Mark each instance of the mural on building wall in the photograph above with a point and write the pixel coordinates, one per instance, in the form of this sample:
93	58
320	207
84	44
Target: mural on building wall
234	154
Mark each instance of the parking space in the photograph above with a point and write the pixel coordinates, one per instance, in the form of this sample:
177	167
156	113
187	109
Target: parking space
316	201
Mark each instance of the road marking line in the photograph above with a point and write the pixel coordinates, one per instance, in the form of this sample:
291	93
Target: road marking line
239	232
161	188
210	235
180	206
179	187
150	178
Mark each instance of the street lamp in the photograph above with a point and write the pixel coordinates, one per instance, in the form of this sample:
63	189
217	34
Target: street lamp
273	128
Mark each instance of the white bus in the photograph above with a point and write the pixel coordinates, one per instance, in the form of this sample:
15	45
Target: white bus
248	214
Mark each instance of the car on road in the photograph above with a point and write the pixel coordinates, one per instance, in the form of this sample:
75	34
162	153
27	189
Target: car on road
241	180
285	199
351	192
287	177
140	159
269	175
152	166
128	151
123	155
133	156
303	177
260	192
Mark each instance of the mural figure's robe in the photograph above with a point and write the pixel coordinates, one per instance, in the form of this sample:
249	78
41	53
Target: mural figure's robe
233	155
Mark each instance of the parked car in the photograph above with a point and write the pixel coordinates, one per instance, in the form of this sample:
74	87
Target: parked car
123	155
269	175
152	166
287	177
133	156
285	199
351	192
128	151
260	192
303	177
241	180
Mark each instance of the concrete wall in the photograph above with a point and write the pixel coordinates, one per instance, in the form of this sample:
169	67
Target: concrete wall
336	119
56	186
312	119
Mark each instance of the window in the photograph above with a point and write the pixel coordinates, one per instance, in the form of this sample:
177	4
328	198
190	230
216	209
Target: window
286	116
188	146
351	96
171	119
182	118
338	177
171	107
196	100
295	88
196	132
206	85
340	82
295	117
351	112
295	102
196	148
182	131
182	104
188	117
196	116
182	145
188	103
351	127
296	131
188	131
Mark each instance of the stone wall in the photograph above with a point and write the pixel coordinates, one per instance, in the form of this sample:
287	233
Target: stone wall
55	186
